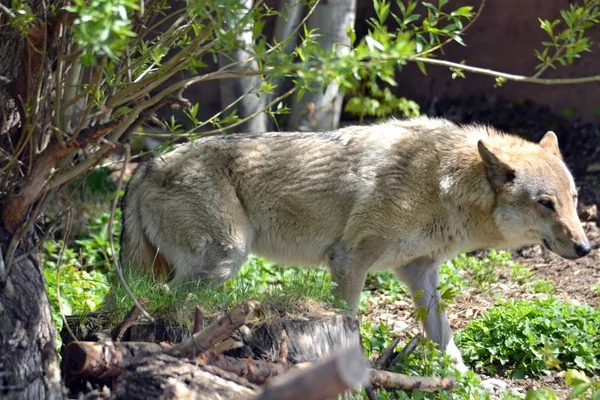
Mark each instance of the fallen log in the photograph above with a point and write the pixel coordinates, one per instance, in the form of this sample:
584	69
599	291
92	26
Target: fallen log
162	376
255	371
347	369
104	360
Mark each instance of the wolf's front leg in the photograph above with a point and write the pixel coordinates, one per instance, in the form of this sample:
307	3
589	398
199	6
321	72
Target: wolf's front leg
349	267
421	276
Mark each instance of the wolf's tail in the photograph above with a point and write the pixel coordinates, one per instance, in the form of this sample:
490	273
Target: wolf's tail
137	252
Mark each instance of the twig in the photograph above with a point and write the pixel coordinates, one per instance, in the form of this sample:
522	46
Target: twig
36	183
198	320
58	264
225	345
393	381
7	11
509	77
131	318
385	359
218	330
450	39
3	274
410	347
112	240
283	348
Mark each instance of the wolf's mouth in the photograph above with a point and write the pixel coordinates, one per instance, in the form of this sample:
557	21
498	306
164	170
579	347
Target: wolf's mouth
546	244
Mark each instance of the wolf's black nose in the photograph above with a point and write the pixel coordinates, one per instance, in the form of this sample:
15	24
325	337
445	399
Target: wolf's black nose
583	249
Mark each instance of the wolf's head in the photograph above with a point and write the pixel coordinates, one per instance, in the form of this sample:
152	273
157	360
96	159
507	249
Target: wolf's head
536	198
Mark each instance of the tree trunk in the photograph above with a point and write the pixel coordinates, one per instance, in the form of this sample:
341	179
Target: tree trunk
318	110
28	357
247	88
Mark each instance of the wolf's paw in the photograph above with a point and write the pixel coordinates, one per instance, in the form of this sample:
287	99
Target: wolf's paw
493	385
457	360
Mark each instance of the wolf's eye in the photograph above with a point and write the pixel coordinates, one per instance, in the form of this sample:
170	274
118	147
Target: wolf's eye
549	204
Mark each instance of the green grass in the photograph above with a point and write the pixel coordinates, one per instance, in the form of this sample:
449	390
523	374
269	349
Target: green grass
281	290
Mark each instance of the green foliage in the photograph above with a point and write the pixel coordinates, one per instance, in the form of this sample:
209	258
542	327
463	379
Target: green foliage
415	34
567	34
520	274
84	269
81	290
376	102
583	387
375	337
451	276
279	289
530	338
483	271
93	243
541	286
102	27
388	284
426	360
596	289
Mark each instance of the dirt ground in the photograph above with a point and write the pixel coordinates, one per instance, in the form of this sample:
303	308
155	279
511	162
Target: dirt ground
572	281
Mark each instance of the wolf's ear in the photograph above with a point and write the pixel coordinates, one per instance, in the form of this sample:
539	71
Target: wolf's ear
498	172
550	143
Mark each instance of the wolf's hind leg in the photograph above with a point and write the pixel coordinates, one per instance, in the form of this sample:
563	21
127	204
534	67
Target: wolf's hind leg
421	276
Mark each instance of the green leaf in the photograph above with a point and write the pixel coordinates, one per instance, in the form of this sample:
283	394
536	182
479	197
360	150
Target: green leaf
421	66
541	394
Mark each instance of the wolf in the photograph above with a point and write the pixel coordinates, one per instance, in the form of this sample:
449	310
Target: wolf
402	194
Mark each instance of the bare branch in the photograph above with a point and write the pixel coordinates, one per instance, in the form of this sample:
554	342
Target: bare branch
218	330
118	268
394	381
509	77
7	11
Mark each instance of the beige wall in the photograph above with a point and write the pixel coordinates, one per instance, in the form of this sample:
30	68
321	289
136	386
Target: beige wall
504	38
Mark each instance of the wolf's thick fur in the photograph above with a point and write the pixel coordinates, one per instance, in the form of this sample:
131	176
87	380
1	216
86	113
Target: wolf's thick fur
405	195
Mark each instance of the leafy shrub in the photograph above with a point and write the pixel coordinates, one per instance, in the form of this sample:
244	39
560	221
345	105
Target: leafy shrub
83	276
426	360
81	291
522	338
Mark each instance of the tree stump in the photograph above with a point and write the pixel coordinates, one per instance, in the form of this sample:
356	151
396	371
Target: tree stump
308	339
